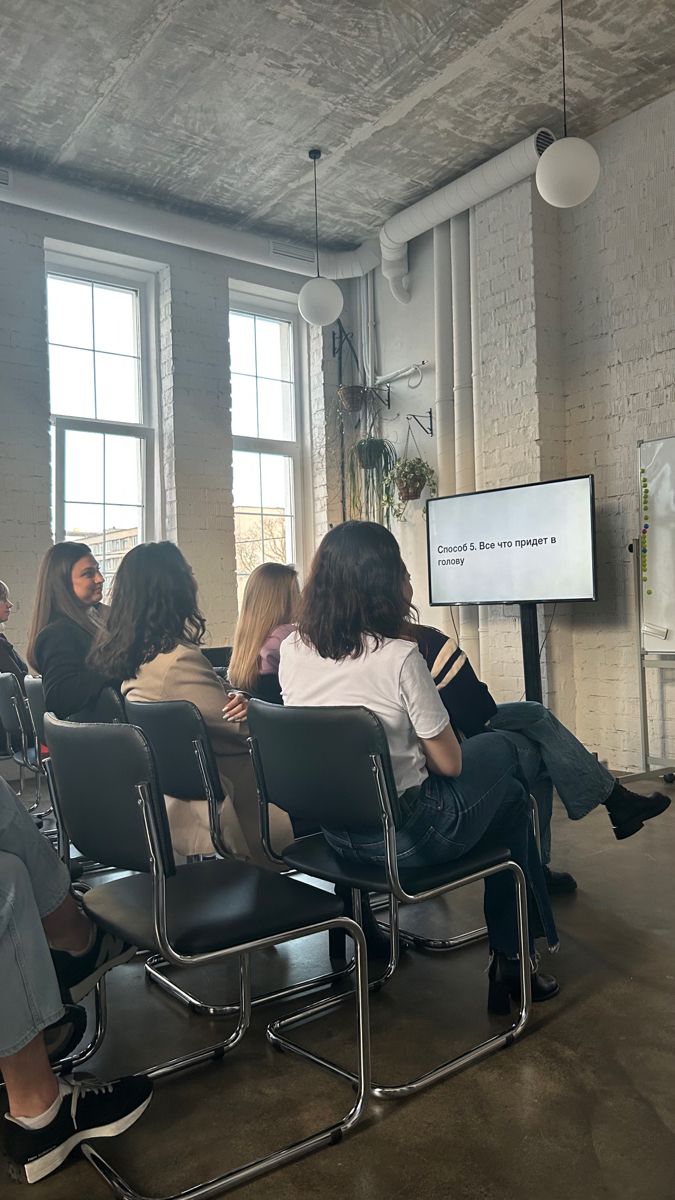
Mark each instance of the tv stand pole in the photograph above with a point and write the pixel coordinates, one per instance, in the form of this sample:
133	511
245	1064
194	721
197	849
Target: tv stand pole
529	633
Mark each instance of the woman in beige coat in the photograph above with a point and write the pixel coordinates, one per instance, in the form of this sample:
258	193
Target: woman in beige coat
152	642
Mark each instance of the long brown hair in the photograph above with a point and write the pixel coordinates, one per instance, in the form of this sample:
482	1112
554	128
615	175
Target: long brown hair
55	597
154	607
270	598
354	590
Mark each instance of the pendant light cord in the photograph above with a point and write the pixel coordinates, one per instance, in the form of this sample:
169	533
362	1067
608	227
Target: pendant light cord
316	218
564	83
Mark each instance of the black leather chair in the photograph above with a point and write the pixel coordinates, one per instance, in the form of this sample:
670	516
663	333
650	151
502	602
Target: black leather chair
332	765
35	699
16	721
218	656
187	770
203	912
108	707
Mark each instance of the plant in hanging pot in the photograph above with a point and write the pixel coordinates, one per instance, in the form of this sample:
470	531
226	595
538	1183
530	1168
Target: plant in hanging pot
353	397
371	461
408	479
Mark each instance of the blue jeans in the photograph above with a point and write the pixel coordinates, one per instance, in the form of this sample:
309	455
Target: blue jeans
550	756
450	816
33	882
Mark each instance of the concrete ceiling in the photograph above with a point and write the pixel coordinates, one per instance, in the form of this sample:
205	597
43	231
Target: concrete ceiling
209	106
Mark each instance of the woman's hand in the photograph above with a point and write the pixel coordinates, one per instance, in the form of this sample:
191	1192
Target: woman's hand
236	708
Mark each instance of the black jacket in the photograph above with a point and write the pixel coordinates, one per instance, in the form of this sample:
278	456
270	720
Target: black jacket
11	662
60	656
468	701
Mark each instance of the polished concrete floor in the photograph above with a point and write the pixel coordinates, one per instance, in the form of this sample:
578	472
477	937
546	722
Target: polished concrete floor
581	1107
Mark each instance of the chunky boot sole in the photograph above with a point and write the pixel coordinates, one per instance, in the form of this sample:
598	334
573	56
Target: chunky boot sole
632	825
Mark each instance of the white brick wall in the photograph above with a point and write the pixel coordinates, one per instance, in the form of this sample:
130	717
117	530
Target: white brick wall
619	351
24	416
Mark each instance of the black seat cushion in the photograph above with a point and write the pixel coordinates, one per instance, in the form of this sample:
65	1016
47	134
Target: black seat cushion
30	759
314	856
211	906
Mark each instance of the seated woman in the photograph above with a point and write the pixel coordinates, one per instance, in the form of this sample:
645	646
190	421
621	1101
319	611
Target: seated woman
11	661
67	615
151	641
550	756
352	647
268	609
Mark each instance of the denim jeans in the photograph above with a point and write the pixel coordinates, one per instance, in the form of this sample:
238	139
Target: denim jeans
33	882
550	756
450	816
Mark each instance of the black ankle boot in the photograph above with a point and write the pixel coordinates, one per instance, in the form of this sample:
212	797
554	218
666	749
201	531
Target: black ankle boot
377	939
628	811
504	984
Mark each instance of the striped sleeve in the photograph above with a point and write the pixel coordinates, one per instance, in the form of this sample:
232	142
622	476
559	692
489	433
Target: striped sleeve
466	699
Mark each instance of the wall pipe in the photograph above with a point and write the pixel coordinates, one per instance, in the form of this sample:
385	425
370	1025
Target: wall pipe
143	220
514	165
483	630
465	464
444	408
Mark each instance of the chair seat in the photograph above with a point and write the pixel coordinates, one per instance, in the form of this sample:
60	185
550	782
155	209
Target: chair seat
210	906
30	759
313	856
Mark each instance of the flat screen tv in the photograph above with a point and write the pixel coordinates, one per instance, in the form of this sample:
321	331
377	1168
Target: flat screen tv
514	545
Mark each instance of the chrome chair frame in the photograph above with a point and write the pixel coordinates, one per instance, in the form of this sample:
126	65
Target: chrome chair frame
156	964
29	739
324	1137
398	895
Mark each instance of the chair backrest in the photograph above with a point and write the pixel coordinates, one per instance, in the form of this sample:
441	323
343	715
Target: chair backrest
317	763
108	707
96	772
218	656
35	696
174	729
13	712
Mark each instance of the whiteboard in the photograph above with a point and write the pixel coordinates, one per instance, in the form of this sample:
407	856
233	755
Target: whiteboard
656	461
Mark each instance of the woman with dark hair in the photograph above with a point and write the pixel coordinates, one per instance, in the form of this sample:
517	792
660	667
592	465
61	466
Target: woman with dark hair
152	642
67	615
352	647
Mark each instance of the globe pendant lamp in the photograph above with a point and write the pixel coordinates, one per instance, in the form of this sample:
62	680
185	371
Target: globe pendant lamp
320	300
569	169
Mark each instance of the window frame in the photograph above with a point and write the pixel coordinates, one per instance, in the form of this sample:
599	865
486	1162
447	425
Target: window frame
80	267
249	304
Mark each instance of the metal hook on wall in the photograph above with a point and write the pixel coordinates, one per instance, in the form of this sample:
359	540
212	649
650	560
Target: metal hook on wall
424	420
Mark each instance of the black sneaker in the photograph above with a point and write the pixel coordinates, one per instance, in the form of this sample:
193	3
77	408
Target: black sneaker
78	974
90	1110
65	1034
559	883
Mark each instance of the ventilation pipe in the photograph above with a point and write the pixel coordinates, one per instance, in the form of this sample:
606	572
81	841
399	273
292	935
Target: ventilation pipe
465	464
485	181
483	630
142	220
444	409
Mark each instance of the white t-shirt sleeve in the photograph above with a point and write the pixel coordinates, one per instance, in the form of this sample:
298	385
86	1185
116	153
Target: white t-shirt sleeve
419	696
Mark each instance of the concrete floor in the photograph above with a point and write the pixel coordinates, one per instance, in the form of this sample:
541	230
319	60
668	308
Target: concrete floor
580	1107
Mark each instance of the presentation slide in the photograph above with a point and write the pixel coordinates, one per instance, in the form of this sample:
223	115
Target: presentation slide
513	545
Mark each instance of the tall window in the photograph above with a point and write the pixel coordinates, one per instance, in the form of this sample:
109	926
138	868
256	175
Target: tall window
265	428
101	438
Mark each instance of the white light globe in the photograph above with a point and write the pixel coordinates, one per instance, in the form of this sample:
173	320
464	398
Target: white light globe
567	172
320	301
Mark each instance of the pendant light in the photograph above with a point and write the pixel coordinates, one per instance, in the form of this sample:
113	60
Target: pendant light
569	169
320	300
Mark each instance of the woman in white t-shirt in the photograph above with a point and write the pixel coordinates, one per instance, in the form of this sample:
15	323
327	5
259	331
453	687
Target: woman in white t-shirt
351	648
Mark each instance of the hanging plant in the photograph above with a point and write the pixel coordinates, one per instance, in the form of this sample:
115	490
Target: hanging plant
408	478
371	461
352	397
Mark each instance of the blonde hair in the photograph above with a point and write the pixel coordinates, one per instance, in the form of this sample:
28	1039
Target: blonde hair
270	598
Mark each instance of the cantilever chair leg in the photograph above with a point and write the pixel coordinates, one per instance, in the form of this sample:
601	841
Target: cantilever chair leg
156	964
315	1141
420	941
276	1035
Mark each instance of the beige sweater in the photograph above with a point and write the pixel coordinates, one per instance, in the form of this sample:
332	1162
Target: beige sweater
185	674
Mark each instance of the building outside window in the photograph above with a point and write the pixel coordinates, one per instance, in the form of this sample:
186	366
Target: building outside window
266	437
102	435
